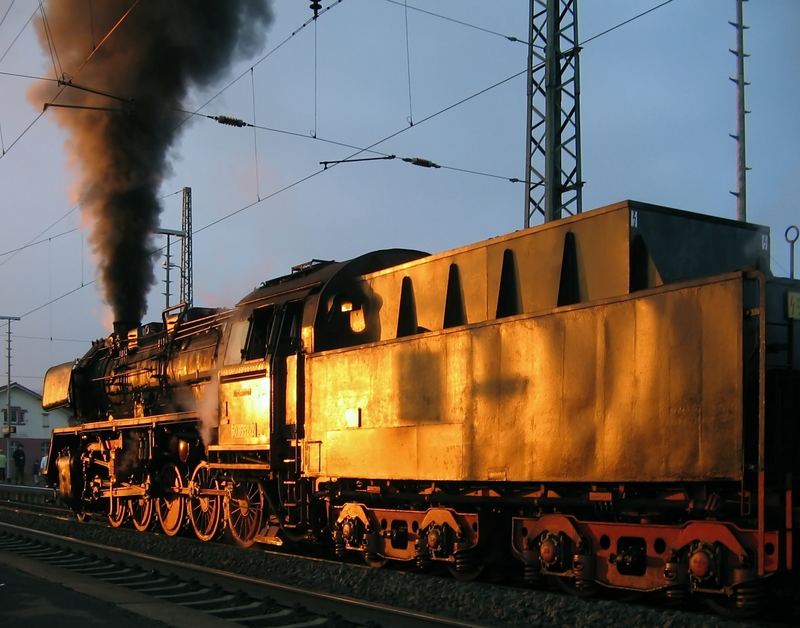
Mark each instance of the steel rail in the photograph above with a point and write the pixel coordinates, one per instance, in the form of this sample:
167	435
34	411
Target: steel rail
352	609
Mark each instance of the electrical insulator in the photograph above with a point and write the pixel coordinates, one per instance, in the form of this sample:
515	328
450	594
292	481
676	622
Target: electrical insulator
315	7
229	121
419	161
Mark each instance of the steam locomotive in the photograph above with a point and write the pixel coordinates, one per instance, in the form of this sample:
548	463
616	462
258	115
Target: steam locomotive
609	400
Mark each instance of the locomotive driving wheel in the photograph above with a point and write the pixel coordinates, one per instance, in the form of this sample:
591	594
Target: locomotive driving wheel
244	510
141	509
170	505
204	510
116	512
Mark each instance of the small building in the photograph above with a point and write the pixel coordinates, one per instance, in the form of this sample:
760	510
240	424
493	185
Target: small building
29	426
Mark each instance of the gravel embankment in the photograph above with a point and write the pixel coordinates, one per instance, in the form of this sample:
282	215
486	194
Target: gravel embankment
479	602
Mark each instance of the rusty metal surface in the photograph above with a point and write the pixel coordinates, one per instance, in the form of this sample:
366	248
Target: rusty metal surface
639	388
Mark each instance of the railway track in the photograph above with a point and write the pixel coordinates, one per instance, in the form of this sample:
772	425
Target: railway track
229	598
476	603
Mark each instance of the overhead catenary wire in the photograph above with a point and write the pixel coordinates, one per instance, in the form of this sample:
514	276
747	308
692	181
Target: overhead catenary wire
314	132
358	151
446	18
285	188
7	11
34	241
51	44
628	21
42	241
408	69
231	121
63	84
51	338
105	38
18	35
255	135
91	22
261	60
238	122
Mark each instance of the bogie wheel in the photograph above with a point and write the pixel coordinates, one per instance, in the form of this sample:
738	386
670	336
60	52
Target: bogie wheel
743	603
468	565
466	575
141	509
117	512
82	516
204	510
244	511
170	505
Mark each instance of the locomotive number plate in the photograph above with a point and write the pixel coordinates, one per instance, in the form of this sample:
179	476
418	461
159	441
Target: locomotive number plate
243	430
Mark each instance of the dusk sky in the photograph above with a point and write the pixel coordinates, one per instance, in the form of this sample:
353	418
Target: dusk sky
657	109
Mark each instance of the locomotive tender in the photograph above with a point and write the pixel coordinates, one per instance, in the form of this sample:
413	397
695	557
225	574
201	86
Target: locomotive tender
612	399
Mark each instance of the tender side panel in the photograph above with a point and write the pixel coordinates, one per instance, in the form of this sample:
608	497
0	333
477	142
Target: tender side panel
644	388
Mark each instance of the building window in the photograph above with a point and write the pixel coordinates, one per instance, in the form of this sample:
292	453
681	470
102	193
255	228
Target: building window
17	415
45	419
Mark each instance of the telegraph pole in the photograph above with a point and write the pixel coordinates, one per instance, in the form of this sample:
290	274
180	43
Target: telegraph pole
7	420
553	151
741	157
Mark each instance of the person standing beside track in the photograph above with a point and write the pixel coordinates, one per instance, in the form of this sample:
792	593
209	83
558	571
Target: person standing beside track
19	464
3	463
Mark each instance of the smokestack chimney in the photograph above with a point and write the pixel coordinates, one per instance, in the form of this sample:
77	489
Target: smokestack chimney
121	328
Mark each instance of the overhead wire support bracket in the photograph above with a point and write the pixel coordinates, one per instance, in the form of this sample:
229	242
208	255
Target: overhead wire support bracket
48	105
326	164
65	82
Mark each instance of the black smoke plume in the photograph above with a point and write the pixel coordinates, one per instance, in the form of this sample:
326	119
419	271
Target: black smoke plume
159	52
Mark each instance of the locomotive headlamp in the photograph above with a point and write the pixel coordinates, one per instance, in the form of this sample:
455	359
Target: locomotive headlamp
183	450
